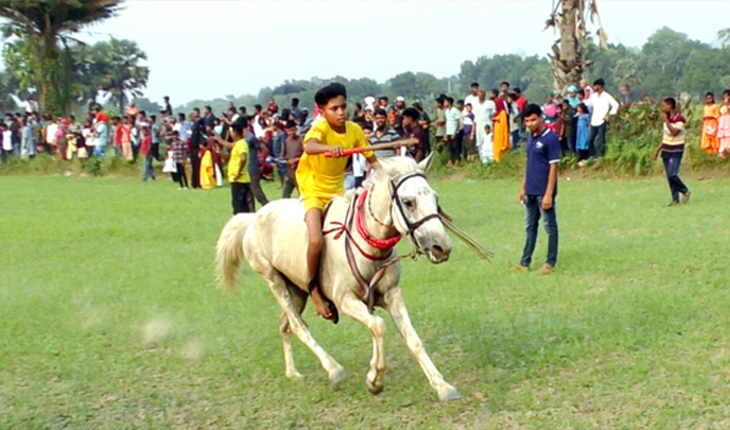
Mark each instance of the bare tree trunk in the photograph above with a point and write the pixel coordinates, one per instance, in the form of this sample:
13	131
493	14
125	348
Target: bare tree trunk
567	56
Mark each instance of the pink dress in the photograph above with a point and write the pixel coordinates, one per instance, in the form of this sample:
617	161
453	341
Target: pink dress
723	129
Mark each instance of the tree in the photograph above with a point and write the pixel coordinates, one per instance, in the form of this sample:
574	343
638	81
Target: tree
664	56
723	36
414	86
47	27
570	17
123	75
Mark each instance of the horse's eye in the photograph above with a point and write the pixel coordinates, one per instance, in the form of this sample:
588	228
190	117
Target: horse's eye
408	203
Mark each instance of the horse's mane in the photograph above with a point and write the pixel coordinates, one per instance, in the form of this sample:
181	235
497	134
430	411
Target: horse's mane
391	166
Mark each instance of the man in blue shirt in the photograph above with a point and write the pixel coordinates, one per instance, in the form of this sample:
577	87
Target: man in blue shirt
539	188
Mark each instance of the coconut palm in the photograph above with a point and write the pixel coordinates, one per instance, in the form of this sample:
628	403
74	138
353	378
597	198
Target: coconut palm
123	74
570	18
48	26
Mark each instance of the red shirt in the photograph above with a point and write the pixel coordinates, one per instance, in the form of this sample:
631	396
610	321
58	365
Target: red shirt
144	149
521	103
499	103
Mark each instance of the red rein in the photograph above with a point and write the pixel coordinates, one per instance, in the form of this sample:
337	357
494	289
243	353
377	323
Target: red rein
381	244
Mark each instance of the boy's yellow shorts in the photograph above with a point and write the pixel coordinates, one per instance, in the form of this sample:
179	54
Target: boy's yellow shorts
315	202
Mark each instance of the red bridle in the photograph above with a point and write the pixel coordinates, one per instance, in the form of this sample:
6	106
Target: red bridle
381	244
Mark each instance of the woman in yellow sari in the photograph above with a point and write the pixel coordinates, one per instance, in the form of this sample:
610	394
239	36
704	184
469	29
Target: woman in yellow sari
207	171
710	114
501	128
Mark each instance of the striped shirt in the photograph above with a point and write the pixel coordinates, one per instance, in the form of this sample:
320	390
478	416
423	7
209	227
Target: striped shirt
671	143
452	121
390	135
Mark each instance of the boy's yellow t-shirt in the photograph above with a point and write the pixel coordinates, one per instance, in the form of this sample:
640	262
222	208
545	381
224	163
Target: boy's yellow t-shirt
234	163
319	176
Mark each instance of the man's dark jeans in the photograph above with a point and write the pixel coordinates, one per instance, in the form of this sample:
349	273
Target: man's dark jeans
533	207
600	131
671	166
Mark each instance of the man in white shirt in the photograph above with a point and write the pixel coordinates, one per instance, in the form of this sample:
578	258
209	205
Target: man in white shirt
603	106
473	98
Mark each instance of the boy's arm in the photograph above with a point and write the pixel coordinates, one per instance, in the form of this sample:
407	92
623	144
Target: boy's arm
373	162
547	199
313	147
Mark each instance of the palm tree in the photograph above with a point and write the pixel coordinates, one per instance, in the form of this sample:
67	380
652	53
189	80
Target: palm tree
46	25
123	75
570	18
723	36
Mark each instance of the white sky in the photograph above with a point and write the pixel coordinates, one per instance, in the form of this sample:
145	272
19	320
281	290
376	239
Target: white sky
208	49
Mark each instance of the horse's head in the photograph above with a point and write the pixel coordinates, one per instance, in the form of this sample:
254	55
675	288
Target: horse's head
414	206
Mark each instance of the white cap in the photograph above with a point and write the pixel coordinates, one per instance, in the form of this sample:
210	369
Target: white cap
400	99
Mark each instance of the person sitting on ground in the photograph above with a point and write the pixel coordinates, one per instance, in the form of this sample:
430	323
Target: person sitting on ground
321	178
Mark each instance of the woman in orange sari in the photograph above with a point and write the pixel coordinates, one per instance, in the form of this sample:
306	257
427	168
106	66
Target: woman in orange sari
710	114
501	127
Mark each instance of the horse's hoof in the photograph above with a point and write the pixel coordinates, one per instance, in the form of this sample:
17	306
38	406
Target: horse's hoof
374	389
294	375
452	394
338	375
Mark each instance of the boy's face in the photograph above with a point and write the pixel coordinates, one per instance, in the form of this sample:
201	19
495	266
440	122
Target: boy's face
468	108
335	111
380	120
460	106
726	97
367	133
709	100
504	87
291	132
666	108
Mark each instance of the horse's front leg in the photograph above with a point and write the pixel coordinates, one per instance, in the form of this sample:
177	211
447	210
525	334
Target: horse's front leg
396	306
357	310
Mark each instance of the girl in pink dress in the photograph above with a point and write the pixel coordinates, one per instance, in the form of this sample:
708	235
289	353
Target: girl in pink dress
723	124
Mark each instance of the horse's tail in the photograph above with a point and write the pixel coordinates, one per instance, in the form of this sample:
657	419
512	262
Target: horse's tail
229	250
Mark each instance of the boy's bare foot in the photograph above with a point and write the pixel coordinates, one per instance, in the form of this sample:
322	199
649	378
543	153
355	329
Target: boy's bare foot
322	306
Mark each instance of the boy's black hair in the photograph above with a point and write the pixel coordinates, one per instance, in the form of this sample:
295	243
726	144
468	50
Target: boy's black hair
358	105
726	93
367	126
153	118
600	82
143	113
450	100
505	83
72	116
116	118
460	101
295	102
325	94
533	109
290	124
242	109
240	125
411	113
166	98
196	110
583	107
671	102
474	84
257	107
181	116
232	109
209	109
494	92
517	90
384	98
380	111
711	94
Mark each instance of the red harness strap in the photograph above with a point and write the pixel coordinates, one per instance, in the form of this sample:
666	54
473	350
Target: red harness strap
381	244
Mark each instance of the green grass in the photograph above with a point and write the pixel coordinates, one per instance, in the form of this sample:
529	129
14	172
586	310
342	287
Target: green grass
631	332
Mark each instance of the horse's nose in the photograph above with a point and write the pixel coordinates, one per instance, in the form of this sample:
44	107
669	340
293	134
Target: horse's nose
438	253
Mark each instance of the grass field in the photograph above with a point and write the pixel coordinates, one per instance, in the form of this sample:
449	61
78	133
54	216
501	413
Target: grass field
109	318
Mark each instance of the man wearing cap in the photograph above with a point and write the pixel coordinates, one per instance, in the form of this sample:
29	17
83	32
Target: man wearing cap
573	98
400	106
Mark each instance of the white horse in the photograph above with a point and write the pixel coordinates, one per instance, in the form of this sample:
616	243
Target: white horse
364	226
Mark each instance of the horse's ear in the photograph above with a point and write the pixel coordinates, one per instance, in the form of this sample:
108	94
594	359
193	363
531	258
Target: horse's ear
425	165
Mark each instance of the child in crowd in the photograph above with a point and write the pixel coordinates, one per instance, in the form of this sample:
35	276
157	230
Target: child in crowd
320	178
723	125
583	120
567	141
178	157
485	153
291	152
126	139
468	122
710	115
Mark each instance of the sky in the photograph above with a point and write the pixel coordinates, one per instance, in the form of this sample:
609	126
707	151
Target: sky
209	49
